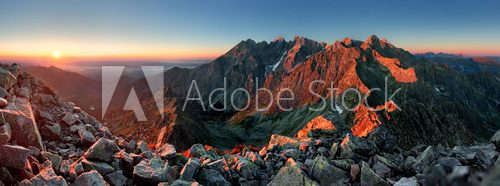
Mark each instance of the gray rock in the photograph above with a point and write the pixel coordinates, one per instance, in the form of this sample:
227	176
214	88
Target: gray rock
448	163
342	164
147	154
116	178
131	146
292	153
291	175
217	165
167	151
102	150
90	178
151	172
7	80
327	174
382	170
368	177
76	128
45	99
69	119
180	182
75	170
190	169
246	168
352	146
254	158
64	169
5	133
471	156
23	92
86	138
424	159
101	167
495	139
4	93
142	146
54	158
198	151
53	131
407	182
47	176
13	156
211	177
19	115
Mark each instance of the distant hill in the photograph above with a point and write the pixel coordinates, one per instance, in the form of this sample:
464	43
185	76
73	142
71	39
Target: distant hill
71	86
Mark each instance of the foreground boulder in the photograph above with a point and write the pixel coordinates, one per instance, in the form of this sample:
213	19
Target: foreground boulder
291	175
47	176
356	148
211	177
327	174
101	167
7	79
167	151
19	115
102	150
13	156
368	177
90	178
190	169
199	151
151	172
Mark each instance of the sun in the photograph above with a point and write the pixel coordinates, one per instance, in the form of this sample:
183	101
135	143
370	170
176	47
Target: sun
56	54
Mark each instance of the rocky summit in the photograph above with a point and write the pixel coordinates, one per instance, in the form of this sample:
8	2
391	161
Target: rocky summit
45	140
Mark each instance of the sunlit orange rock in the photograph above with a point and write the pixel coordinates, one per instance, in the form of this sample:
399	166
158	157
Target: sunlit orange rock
365	121
393	64
319	122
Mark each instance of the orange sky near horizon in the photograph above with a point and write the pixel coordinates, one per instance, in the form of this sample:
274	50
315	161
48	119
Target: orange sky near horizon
123	52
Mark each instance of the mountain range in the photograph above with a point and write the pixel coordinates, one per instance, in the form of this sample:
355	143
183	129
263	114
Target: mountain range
441	102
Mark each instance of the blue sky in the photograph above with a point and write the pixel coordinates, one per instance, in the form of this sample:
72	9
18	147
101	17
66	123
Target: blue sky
198	29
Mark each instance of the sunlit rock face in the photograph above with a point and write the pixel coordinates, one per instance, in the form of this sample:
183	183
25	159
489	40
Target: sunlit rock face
318	123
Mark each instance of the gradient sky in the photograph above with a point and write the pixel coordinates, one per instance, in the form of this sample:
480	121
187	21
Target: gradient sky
186	29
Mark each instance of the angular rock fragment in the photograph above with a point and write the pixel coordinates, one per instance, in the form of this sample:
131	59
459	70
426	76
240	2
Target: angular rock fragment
101	167
13	156
90	178
151	172
19	115
292	175
190	169
102	150
167	151
368	177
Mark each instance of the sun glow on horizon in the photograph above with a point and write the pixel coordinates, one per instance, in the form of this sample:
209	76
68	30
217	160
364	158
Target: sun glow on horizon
56	54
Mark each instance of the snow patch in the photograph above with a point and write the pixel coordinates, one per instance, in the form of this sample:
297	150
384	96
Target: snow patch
279	61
